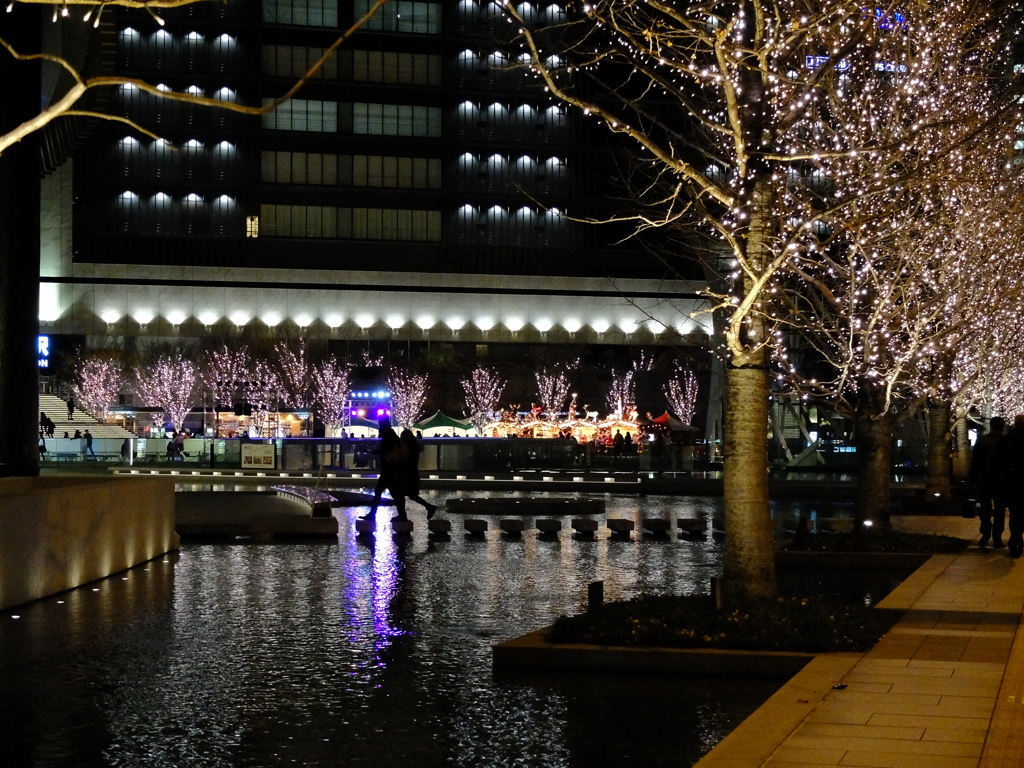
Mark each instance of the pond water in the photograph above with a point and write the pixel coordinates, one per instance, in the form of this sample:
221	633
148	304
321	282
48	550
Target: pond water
355	653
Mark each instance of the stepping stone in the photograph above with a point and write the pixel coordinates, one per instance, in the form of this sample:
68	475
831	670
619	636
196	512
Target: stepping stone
620	526
689	526
549	527
439	526
401	526
655	525
478	527
513	527
366	526
584	526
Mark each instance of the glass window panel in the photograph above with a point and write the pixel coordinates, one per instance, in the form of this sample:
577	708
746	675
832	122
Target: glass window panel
284	169
329	223
359	171
403	172
314	168
298	221
344	171
374	223
359	225
312	220
389	173
299	168
345	229
361	66
268	171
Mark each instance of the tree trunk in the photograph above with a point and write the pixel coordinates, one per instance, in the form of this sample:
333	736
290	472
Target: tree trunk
938	482
19	253
749	558
961	453
874	463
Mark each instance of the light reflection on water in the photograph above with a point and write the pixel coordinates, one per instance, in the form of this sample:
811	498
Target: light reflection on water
355	653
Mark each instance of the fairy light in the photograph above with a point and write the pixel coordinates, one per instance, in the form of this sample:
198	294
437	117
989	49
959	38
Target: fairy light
408	396
170	383
483	390
98	382
332	382
553	387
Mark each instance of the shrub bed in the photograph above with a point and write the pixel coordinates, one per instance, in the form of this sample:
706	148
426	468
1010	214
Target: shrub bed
877	541
800	624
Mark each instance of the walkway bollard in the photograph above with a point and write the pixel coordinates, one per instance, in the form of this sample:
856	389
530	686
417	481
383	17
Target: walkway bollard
595	597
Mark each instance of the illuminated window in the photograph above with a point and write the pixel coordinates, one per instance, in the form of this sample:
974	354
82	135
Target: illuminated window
396	68
303	115
401	16
252	226
303	13
396	120
296	61
307	221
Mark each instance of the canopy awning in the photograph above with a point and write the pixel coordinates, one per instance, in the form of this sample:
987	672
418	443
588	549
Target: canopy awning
441	421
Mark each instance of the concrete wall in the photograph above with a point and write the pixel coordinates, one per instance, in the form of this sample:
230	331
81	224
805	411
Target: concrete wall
60	533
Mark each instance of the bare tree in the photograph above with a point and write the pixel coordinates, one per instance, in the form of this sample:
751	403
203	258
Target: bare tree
408	395
741	112
331	383
621	393
99	379
681	394
483	389
223	371
68	103
170	384
552	389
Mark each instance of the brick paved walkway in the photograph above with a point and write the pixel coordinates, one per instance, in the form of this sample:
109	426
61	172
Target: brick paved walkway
944	689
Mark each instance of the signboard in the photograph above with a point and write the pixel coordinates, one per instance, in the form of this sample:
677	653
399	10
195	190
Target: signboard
257	456
44	351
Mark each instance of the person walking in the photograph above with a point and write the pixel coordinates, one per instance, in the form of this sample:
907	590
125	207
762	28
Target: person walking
126	451
392	453
71	409
988	476
88	443
1010	461
411	469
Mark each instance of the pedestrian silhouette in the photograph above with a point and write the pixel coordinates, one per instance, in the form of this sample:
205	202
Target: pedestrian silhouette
989	477
411	470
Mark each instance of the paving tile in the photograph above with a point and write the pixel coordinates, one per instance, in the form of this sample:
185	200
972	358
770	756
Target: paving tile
891	760
895	746
891	699
820	755
829	730
964	735
943	686
925	721
868	674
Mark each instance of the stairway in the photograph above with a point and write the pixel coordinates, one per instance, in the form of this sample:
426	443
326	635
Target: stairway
57	410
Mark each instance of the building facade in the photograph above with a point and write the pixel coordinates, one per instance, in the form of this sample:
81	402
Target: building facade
420	187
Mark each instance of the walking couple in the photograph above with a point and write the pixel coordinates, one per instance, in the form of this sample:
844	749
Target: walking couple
399	471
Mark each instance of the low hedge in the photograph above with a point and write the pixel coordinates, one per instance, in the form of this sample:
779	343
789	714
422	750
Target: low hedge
799	624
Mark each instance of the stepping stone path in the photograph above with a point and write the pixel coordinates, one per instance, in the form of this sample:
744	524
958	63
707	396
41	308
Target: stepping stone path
549	527
439	526
620	527
513	527
655	526
476	527
584	527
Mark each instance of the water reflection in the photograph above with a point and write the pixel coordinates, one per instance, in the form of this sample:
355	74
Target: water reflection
358	653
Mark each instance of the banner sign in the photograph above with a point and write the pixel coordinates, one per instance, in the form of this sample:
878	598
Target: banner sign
257	456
